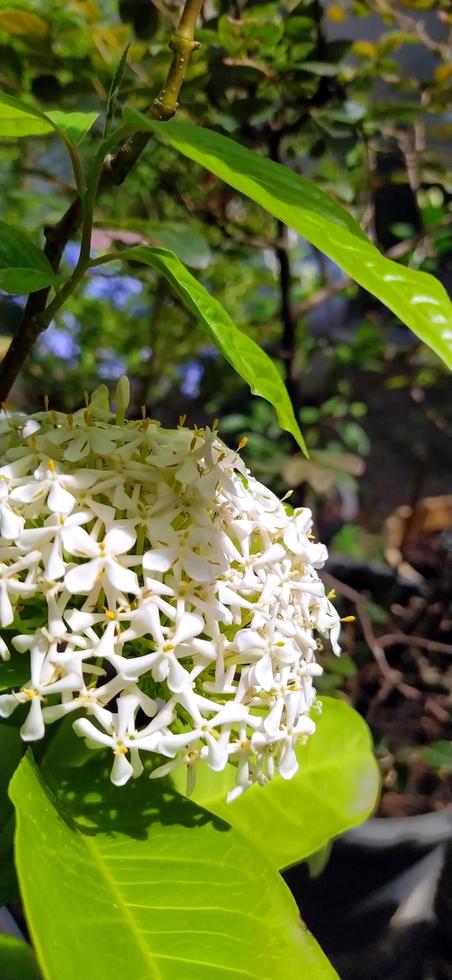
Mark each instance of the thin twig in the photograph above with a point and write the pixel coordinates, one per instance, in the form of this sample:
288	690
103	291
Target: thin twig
359	601
114	172
409	24
408	639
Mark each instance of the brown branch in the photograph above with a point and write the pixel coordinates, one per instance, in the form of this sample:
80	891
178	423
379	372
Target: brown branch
114	172
409	24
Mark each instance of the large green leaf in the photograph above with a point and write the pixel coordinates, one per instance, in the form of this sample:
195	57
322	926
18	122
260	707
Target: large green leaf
19	118
417	298
336	787
17	961
141	882
248	359
23	267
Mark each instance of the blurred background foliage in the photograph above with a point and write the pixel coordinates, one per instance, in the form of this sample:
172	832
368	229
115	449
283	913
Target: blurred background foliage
357	96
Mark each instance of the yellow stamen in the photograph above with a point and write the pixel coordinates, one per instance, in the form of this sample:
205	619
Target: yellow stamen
242	443
331	594
29	693
110	614
348	619
51	465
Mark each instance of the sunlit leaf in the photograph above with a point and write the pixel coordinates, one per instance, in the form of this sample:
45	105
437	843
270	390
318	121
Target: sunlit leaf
23	22
415	297
142	882
335	788
18	118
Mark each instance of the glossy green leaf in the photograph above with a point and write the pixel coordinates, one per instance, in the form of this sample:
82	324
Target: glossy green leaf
141	881
17	961
19	118
23	267
248	359
335	788
415	297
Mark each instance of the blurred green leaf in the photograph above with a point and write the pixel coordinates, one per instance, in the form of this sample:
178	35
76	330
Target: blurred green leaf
335	788
23	267
187	242
11	750
17	961
147	880
114	91
416	297
14	672
439	755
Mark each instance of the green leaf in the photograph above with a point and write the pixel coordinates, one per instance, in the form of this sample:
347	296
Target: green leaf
335	788
17	961
19	23
19	118
439	755
11	750
14	672
248	359
114	91
23	267
72	125
144	878
187	242
415	297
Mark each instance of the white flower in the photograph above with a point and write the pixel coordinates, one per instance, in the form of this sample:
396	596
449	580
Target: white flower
160	590
104	569
10	582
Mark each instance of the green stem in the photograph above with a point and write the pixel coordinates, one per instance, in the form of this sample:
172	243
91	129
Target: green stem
88	204
76	167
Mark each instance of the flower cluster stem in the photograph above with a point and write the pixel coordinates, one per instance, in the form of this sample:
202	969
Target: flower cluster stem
113	171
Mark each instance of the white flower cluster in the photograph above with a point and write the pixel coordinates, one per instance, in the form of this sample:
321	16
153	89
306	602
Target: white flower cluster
159	591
